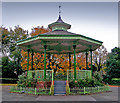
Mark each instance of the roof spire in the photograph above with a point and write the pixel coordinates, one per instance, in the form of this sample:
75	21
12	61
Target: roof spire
59	24
59	18
59	9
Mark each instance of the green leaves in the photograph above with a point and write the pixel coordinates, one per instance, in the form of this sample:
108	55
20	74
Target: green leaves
85	83
8	68
11	51
10	37
113	65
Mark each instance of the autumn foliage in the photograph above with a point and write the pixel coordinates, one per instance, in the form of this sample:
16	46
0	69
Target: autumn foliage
59	63
39	30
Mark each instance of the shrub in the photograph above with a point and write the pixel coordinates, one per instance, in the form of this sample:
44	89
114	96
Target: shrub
85	83
112	81
72	84
24	82
115	82
60	76
21	80
98	76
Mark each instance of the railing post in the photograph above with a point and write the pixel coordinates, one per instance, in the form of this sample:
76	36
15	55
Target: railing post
52	77
69	90
98	88
35	91
84	90
104	88
20	88
50	90
67	75
108	87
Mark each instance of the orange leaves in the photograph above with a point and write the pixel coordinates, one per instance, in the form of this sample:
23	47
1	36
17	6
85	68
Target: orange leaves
59	62
80	61
24	54
38	59
39	30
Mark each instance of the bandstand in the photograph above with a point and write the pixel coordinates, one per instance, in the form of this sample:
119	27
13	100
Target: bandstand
59	41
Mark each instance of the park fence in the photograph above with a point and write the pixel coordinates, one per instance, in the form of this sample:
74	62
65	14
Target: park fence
89	90
72	91
27	90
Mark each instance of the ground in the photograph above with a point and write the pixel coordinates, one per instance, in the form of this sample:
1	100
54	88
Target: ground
106	96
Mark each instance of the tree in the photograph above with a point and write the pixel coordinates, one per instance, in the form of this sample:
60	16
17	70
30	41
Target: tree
81	61
5	40
113	65
99	58
39	30
8	68
15	52
10	37
38	58
10	49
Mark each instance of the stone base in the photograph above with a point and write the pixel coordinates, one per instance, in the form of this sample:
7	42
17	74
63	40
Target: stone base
43	84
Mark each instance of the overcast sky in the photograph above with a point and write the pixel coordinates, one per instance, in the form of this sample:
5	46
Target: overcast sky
96	20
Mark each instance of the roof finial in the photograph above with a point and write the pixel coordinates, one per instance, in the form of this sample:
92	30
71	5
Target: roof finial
59	18
59	9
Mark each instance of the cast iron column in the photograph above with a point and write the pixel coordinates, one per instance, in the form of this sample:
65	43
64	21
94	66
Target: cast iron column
74	47
91	61
28	50
45	62
69	61
86	60
32	60
69	73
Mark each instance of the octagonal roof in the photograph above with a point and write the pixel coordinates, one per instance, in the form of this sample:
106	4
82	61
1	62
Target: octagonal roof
59	40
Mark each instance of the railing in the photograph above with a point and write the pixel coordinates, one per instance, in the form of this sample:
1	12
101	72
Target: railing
89	90
72	91
39	74
27	90
80	74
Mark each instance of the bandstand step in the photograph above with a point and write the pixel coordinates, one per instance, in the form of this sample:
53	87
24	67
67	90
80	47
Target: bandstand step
59	87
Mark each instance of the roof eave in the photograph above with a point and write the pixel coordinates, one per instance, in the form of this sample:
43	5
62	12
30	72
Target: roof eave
43	36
